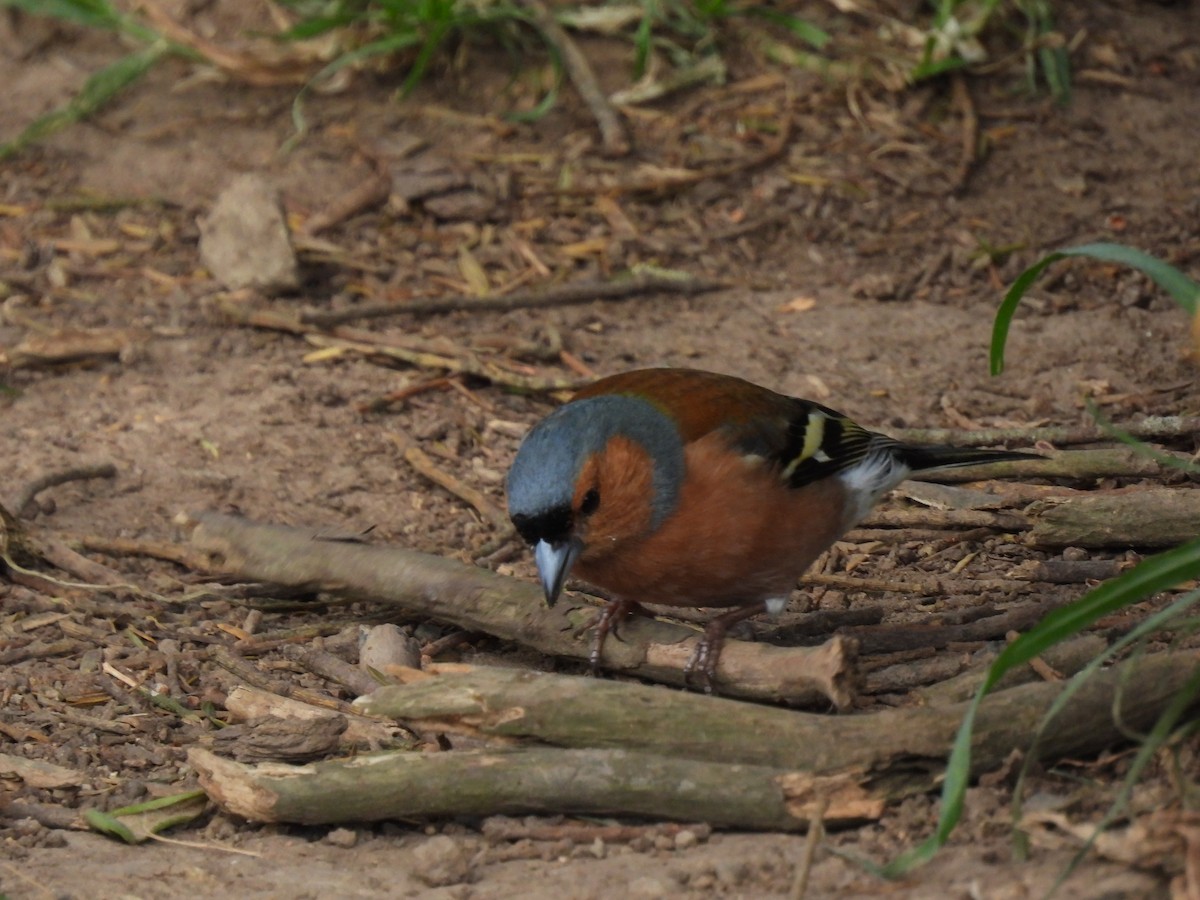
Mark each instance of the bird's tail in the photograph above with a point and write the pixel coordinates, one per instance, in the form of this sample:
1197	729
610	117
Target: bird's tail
918	457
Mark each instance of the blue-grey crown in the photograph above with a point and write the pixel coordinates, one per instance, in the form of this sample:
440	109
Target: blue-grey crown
543	476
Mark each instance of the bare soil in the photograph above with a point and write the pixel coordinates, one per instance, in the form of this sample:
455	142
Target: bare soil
863	270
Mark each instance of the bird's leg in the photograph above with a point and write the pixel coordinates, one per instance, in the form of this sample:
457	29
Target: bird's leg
703	663
609	620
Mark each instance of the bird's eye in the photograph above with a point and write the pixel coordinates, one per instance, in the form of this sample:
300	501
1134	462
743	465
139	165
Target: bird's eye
591	502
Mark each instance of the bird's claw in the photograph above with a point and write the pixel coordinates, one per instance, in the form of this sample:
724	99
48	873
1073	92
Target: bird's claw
608	621
701	669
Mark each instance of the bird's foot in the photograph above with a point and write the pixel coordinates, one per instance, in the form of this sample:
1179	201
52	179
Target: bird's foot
701	668
607	621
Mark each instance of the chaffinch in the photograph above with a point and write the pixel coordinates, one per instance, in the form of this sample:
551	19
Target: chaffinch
688	488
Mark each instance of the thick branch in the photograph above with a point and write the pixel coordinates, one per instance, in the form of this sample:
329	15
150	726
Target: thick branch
1143	517
575	712
534	780
478	600
688	756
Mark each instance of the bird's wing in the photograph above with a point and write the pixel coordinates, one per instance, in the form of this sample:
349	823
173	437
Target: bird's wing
804	440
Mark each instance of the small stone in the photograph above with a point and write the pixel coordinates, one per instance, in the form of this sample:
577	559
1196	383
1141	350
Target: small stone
649	886
685	840
730	873
388	645
599	848
662	842
342	837
244	240
440	861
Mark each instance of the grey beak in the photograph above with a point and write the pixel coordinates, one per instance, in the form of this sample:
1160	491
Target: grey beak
554	562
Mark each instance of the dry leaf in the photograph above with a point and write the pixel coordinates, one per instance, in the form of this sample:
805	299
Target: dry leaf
798	304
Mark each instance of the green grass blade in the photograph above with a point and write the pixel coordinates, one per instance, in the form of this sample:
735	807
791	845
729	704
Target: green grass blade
1139	447
89	13
1150	576
1182	289
138	823
815	37
1147	626
106	824
96	92
1180	704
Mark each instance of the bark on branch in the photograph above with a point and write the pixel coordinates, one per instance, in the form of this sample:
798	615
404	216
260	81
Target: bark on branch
629	749
478	600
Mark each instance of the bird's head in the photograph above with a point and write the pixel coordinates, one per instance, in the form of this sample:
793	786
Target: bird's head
591	476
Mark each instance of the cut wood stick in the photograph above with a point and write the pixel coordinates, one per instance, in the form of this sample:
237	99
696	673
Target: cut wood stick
639	750
528	780
478	600
1142	517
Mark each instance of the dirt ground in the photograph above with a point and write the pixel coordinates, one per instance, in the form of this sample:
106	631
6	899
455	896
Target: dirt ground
862	265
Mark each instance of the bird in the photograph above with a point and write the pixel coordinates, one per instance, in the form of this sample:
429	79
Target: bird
687	488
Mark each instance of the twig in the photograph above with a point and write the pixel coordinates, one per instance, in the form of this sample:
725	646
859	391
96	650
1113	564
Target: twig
56	552
1079	465
1150	428
1069	657
179	554
328	666
503	828
893	638
969	151
677	179
26	495
816	831
420	461
468	363
372	190
612	133
945	518
251	675
563	295
387	400
933	585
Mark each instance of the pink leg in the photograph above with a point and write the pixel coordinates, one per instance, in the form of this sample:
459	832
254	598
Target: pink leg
609	620
708	650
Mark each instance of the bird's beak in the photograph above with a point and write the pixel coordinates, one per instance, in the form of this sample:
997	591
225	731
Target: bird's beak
554	562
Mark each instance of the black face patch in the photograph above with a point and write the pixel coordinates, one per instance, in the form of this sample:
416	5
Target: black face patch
552	526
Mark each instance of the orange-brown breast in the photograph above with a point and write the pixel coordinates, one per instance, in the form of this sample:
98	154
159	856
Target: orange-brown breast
738	535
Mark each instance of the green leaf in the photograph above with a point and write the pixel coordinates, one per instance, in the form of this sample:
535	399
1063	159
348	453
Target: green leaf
1148	577
107	824
143	820
1182	289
